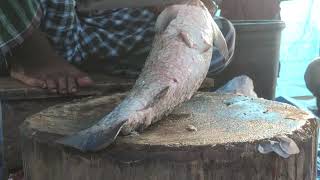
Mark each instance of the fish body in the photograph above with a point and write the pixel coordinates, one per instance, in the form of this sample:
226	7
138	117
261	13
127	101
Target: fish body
173	72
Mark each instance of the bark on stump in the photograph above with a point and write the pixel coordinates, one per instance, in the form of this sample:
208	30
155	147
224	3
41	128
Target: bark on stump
212	136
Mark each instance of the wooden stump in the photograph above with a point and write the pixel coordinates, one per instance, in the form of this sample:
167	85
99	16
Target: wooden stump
212	136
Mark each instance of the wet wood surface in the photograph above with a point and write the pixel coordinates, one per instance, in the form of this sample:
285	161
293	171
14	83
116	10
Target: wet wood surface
212	136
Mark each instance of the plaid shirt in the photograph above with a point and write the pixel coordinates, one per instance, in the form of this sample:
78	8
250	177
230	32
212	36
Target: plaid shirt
17	20
108	34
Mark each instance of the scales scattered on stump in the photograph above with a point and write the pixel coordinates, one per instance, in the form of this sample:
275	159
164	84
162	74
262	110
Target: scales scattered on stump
212	136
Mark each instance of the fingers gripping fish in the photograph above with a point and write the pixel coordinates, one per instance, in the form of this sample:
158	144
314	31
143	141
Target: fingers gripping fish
173	72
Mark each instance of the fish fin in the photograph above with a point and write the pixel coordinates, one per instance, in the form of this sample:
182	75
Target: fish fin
187	39
94	138
207	43
145	112
148	119
163	92
165	17
145	122
220	42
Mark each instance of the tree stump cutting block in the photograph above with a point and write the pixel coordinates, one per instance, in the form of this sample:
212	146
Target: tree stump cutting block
210	137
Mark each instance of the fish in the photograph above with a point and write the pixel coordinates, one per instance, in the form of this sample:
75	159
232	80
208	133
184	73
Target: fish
174	70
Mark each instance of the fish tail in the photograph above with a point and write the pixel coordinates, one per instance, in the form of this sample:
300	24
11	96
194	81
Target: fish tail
94	138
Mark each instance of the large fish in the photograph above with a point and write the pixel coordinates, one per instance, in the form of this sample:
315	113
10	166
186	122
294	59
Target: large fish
173	72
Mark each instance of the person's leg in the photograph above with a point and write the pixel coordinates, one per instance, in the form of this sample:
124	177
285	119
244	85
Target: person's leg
111	36
35	63
106	35
27	52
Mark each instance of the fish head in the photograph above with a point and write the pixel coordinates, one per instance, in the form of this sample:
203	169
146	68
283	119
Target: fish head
218	39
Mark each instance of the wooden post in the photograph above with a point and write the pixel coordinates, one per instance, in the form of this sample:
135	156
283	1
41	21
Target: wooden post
210	137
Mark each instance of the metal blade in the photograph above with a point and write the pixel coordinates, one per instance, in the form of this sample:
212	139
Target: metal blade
89	5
